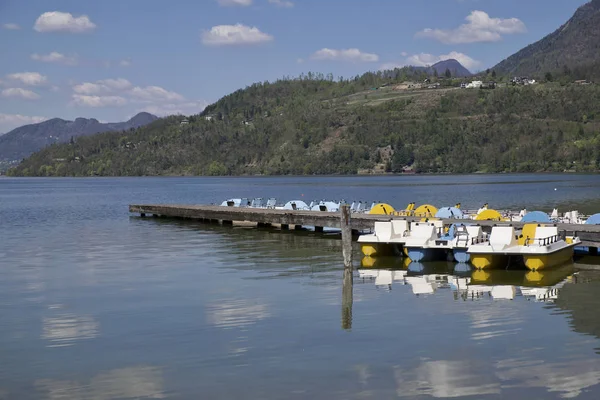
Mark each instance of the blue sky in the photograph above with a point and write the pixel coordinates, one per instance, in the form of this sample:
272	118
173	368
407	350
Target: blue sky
110	59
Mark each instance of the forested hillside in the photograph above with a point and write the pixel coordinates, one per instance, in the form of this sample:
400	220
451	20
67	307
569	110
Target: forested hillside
573	49
315	125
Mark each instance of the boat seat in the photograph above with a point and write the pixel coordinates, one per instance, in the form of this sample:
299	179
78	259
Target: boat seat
528	232
421	233
450	234
271	202
384	231
544	232
502	237
400	227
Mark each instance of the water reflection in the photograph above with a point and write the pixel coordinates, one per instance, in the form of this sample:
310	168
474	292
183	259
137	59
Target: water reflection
124	383
468	284
445	379
66	329
563	371
236	313
569	378
347	298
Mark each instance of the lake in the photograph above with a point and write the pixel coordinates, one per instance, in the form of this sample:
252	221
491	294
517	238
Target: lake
96	304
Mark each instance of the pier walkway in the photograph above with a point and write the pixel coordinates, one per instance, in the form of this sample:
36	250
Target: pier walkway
589	234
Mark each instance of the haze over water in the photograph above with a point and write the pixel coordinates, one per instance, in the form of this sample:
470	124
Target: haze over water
95	304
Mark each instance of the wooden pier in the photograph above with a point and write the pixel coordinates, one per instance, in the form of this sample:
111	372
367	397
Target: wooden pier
344	220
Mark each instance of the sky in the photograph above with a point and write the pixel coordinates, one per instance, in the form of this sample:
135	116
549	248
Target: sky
111	59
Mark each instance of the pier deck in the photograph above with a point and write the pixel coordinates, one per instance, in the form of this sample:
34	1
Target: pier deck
589	234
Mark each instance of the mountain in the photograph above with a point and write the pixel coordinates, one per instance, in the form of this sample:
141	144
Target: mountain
370	123
575	44
455	67
25	140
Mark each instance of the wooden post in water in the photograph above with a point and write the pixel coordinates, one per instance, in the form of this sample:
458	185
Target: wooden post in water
347	298
346	235
347	287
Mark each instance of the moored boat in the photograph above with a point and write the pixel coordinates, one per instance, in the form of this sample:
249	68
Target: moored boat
537	246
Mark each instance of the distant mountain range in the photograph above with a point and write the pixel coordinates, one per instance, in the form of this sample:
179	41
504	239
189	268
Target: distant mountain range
26	140
574	44
456	68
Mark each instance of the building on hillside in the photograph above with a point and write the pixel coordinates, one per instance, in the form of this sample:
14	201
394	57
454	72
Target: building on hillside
185	121
522	80
583	82
474	85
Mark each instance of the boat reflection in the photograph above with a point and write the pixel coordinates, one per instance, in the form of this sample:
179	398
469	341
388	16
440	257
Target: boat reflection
467	283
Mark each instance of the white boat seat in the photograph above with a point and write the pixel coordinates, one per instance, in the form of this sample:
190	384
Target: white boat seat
384	231
420	233
502	237
400	227
544	234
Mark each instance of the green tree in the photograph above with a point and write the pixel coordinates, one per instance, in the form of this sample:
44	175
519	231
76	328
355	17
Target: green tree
217	169
448	74
549	77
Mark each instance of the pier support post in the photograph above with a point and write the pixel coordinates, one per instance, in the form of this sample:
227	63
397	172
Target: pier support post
143	215
319	229
347	298
285	227
593	251
298	227
346	235
225	222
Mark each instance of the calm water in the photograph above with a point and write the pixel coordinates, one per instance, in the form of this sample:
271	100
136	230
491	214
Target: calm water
97	305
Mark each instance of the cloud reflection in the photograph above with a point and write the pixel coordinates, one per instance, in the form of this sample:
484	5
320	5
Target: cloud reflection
445	379
125	383
66	329
236	313
568	378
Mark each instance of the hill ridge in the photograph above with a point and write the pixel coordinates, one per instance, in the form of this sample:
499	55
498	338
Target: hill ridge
576	43
27	139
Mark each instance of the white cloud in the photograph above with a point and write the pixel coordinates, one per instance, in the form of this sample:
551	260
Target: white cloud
282	3
187	108
117	92
117	84
11	27
98	101
228	3
125	63
29	78
18	93
155	94
9	122
349	55
56	21
227	35
479	28
104	86
55	57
